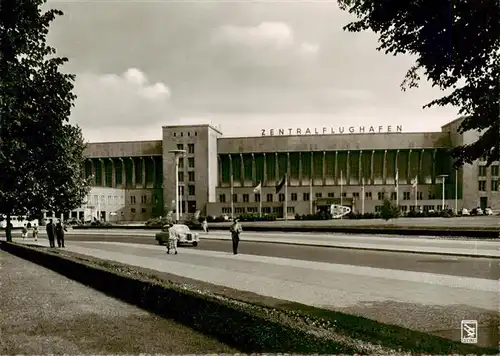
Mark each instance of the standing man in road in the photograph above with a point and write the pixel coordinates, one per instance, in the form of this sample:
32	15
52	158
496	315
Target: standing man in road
51	232
60	228
235	234
172	239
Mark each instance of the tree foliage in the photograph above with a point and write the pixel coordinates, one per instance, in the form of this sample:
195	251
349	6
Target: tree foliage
41	154
389	210
457	48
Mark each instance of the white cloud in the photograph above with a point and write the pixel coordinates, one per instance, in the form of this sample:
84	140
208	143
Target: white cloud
271	35
127	99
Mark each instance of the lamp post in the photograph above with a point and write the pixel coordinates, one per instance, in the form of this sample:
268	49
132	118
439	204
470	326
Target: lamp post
443	177
177	155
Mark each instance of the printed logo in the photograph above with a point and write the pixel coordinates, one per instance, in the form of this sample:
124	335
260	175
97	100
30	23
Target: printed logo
469	331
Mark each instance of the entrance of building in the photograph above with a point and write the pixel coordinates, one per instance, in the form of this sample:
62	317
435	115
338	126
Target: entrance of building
483	203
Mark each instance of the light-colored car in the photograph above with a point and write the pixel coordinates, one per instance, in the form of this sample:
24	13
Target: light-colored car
488	211
465	212
184	235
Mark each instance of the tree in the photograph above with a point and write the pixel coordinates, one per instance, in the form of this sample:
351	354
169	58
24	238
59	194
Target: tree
389	210
457	45
41	154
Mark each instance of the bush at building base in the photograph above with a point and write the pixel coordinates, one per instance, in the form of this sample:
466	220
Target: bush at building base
321	215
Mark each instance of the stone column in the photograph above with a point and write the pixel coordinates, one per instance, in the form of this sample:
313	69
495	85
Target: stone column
254	171
103	172
434	166
336	168
348	169
277	177
324	168
372	165
265	172
384	168
113	173
219	168
242	170
408	169
124	173
153	162
396	165
288	166
231	178
144	183
300	169
312	168
133	173
92	166
361	173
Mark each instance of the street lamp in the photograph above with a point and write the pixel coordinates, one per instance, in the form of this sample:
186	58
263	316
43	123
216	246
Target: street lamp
443	177
177	155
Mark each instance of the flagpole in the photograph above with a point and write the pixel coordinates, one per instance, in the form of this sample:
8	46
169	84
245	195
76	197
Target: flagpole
397	187
232	200
456	191
363	196
416	194
260	203
341	195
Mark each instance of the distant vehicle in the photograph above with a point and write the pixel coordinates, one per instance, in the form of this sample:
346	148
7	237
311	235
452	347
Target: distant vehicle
465	212
476	211
488	211
18	221
339	211
184	235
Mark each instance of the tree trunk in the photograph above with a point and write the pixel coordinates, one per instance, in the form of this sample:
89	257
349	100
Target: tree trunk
8	229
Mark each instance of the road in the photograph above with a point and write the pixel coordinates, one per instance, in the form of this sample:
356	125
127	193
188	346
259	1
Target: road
448	265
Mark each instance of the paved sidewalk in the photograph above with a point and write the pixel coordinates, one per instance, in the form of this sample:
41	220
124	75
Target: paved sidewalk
45	313
466	247
421	301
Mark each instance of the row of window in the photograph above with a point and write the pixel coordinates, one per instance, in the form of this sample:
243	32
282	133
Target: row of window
494	185
495	170
144	199
181	134
307	197
181	176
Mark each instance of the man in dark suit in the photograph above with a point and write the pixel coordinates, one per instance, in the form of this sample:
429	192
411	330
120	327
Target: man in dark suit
60	228
51	232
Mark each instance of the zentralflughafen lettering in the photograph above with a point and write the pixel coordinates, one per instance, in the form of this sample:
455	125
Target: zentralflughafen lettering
331	130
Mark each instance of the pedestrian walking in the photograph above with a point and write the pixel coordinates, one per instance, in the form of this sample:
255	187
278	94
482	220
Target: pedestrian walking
235	230
204	225
172	239
35	232
60	229
51	233
24	232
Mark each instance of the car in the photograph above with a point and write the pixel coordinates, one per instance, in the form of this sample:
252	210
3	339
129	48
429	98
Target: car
488	211
184	235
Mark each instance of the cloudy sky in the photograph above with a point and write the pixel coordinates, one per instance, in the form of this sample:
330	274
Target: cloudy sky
238	65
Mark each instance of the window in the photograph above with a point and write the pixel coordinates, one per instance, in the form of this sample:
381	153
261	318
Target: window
494	170
252	210
190	147
191	162
180	146
182	134
246	198
266	210
293	197
189	133
132	210
404	208
144	199
132	199
355	195
482	171
181	176
494	185
432	196
380	195
239	210
394	196
191	176
290	209
191	190
278	210
226	210
482	185
256	197
306	197
368	195
344	195
318	195
235	198
181	163
269	197
331	195
281	197
378	208
406	196
181	190
143	210
420	196
110	199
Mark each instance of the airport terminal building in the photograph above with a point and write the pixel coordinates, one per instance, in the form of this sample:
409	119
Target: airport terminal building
134	181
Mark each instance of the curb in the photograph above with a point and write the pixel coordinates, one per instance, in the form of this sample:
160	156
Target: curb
365	248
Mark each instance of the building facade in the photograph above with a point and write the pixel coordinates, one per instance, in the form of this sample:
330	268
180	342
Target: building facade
134	181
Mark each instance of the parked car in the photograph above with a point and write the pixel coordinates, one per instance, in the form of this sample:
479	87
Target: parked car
465	212
184	235
488	211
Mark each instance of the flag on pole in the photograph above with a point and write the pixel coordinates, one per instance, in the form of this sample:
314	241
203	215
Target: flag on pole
258	188
414	182
281	184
